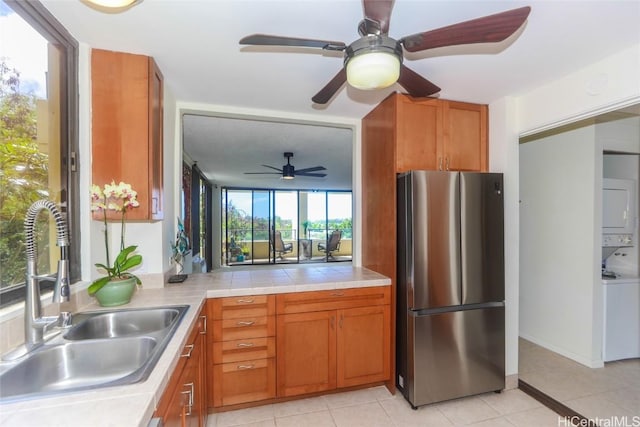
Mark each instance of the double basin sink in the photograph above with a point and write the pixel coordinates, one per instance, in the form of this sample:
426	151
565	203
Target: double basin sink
100	349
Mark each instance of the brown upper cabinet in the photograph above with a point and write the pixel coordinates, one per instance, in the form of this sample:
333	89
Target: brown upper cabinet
432	134
127	128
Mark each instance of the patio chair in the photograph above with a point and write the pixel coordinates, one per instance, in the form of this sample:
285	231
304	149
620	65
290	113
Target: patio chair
279	246
332	244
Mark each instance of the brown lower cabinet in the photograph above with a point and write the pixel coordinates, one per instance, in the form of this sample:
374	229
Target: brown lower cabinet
276	346
328	349
306	353
184	402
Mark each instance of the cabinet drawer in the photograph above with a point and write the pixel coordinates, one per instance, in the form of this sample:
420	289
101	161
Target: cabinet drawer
302	302
249	327
246	381
246	349
240	307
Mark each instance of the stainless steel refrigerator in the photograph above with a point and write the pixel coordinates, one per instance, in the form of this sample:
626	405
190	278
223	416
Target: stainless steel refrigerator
450	318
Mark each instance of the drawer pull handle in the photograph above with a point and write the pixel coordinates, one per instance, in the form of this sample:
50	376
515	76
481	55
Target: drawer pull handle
204	325
189	393
245	344
245	323
245	301
187	354
240	367
337	294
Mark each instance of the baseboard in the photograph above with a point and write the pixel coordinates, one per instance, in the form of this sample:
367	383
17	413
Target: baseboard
511	382
573	418
564	352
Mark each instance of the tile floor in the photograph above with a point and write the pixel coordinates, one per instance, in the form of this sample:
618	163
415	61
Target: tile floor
377	407
603	392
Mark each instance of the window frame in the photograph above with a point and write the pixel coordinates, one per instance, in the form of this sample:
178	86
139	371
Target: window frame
36	15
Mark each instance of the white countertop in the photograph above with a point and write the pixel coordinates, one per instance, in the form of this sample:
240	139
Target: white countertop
134	405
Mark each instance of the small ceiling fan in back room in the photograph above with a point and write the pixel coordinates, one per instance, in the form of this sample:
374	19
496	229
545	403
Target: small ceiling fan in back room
288	171
374	61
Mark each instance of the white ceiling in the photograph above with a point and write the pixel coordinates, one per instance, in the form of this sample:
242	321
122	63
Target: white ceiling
195	43
224	148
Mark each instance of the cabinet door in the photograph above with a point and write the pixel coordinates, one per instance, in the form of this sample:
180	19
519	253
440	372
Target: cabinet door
126	128
464	145
176	411
306	353
184	401
183	409
419	128
363	345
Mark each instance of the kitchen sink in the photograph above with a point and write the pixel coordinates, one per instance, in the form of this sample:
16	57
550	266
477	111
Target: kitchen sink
123	323
101	349
77	365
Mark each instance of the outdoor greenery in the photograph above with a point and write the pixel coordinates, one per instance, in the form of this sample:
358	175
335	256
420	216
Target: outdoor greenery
23	177
238	227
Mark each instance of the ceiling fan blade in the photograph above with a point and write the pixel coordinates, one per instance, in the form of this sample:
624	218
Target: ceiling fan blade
313	169
415	84
488	29
272	167
269	40
379	11
263	173
327	92
318	175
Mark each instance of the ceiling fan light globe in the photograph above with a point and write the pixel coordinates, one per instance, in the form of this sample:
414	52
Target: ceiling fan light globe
373	70
110	5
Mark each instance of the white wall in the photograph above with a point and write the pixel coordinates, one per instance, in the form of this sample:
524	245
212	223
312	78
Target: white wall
620	135
558	102
503	157
557	192
612	81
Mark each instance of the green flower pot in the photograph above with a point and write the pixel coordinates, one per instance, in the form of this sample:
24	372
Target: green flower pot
116	292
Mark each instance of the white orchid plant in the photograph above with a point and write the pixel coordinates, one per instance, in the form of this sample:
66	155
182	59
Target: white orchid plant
119	198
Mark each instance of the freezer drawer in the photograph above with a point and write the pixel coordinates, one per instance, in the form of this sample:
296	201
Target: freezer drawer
454	354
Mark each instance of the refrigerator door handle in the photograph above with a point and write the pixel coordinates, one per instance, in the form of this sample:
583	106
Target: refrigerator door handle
452	308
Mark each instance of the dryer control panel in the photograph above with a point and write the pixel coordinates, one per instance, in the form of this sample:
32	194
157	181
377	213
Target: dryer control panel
617	240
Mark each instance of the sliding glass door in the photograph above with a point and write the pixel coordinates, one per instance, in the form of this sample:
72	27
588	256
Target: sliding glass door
262	226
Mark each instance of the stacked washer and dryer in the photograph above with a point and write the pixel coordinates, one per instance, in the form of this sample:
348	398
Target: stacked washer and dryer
620	280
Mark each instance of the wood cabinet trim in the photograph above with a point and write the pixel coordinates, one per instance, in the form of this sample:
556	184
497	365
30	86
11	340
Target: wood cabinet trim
302	302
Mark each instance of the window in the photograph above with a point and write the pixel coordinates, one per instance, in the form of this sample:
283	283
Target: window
38	136
199	216
263	226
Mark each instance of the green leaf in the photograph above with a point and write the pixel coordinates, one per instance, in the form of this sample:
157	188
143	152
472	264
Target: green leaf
98	284
130	263
124	254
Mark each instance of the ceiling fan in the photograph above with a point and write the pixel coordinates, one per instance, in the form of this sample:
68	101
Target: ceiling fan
374	61
288	171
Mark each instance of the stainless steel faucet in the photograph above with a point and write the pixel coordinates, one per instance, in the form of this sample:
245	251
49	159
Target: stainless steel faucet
34	323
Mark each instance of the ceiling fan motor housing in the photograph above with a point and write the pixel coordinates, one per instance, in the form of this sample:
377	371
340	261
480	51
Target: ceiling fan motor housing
288	171
370	56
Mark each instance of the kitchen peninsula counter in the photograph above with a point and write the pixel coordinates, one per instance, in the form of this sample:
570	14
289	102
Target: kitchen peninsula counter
134	405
